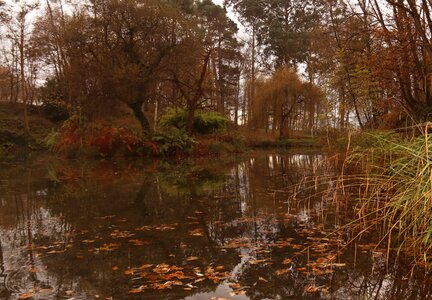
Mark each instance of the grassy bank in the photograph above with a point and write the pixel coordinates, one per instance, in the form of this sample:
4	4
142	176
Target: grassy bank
14	141
121	136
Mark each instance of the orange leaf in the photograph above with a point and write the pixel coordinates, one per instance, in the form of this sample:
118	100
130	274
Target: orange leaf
26	295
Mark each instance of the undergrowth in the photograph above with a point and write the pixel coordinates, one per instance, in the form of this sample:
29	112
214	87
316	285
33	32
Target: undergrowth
387	179
395	190
392	182
76	138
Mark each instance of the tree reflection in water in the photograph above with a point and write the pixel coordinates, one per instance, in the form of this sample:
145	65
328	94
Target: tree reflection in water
229	226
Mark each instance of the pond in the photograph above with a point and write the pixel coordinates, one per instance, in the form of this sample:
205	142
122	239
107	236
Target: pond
263	225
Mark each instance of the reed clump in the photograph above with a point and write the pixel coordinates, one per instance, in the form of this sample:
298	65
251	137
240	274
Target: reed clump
393	184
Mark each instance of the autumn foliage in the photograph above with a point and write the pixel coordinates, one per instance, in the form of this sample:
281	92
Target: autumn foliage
100	140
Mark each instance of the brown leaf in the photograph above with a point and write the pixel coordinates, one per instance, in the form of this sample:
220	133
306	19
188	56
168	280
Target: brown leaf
257	261
88	241
129	272
109	247
281	272
311	289
27	295
138	242
338	265
197	232
56	251
192	258
146	266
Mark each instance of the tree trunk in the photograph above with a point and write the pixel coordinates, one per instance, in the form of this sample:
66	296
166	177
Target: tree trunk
193	103
190	118
137	109
24	94
251	99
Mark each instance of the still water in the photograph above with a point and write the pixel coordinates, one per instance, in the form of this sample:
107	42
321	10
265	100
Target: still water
263	225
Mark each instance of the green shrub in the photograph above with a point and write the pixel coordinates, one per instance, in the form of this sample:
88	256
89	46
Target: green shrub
205	122
51	140
173	141
15	137
55	111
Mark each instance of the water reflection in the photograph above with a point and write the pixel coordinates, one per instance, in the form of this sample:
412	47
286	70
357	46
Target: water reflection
193	229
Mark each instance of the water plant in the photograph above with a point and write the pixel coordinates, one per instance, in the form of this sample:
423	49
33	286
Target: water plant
393	186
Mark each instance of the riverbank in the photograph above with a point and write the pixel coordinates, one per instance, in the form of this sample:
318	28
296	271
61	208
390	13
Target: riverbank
120	137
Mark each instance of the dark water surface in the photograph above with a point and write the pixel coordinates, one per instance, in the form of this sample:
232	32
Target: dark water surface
196	229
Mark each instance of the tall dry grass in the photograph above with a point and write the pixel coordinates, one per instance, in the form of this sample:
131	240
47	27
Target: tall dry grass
392	184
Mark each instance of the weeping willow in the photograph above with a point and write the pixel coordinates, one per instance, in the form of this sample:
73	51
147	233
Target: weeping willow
284	102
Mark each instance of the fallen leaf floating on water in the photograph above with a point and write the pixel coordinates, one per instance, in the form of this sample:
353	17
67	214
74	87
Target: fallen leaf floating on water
145	266
234	285
88	241
311	289
136	291
162	269
163	227
177	274
33	292
139	243
27	295
45	291
105	217
322	260
192	258
56	251
129	272
197	232
164	276
338	265
41	248
117	234
282	272
109	247
259	261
